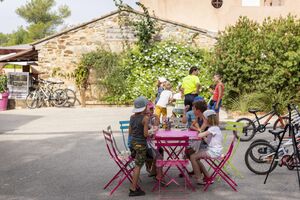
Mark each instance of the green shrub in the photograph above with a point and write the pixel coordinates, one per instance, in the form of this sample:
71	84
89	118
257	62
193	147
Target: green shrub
256	58
141	68
3	82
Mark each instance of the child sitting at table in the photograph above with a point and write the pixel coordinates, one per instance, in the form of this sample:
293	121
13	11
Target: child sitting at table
138	130
153	126
192	121
213	137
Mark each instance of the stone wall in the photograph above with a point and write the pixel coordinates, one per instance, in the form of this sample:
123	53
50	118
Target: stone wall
61	53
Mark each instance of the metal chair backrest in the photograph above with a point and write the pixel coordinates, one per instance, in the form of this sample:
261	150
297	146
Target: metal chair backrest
237	129
124	126
111	145
173	146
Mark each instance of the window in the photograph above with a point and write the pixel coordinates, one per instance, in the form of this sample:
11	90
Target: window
217	3
273	2
250	2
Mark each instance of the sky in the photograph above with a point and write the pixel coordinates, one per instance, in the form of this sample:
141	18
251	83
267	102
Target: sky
81	11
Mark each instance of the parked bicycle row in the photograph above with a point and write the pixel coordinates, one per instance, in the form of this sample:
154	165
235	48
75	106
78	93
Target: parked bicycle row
50	93
263	156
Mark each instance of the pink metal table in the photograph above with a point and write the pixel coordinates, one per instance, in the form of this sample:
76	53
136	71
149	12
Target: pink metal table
193	135
173	152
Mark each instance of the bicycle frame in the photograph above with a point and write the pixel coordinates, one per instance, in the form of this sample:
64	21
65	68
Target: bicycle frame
257	119
260	127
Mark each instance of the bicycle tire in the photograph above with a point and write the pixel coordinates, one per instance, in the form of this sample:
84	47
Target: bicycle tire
278	125
71	97
265	154
249	129
60	98
254	142
258	140
32	100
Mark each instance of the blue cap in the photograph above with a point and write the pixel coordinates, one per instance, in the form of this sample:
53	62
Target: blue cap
198	98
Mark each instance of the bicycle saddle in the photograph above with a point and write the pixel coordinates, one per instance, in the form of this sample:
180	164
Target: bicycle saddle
253	110
276	132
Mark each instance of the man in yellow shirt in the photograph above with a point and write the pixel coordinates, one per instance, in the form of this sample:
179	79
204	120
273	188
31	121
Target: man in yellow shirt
190	87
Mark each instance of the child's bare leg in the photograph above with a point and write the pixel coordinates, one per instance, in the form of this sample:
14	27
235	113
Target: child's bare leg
158	172
153	167
195	165
135	178
203	169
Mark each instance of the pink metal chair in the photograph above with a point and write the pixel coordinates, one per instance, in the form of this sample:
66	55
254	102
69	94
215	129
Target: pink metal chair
125	163
217	164
173	146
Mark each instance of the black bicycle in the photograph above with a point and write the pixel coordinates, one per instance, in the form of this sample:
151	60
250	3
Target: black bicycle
253	126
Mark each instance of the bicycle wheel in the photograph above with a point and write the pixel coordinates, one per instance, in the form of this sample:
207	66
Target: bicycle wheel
249	129
71	97
263	154
279	124
254	142
60	98
32	100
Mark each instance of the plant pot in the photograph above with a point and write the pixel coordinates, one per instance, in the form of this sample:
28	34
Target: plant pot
3	101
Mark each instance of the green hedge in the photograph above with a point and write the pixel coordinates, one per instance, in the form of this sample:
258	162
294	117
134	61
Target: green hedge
263	57
139	70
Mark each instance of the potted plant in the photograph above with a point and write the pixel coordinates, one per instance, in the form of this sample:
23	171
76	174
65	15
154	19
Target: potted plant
3	91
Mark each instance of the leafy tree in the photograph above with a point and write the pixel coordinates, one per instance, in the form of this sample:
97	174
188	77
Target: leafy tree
262	58
18	37
3	39
41	17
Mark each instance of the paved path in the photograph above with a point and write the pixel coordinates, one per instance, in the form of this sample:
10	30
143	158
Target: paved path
59	154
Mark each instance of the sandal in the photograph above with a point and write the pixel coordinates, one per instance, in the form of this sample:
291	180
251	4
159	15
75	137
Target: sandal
162	182
151	174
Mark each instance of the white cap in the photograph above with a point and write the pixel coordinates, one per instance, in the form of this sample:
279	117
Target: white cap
162	79
208	113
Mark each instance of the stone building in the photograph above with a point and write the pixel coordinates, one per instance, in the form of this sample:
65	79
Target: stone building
60	54
63	50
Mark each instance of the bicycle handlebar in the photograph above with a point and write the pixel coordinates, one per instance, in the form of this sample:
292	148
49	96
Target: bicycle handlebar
275	106
47	81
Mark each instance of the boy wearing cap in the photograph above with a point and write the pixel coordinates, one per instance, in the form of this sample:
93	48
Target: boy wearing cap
138	130
213	137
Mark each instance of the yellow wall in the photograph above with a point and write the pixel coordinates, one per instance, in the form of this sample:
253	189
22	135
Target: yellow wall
202	14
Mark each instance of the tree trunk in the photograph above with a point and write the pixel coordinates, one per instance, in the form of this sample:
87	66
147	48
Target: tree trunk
82	97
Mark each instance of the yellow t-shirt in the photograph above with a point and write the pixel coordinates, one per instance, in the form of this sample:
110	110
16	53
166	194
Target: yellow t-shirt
189	84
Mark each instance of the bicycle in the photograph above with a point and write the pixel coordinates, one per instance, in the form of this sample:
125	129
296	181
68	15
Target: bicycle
45	93
70	93
260	154
252	126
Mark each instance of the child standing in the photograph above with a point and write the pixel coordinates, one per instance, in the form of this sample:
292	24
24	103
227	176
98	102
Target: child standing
218	94
213	137
160	87
164	99
138	130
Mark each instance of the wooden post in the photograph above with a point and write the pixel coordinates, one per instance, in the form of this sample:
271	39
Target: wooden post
82	97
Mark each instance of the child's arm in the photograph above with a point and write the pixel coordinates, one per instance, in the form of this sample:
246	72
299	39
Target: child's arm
145	123
184	116
204	124
198	88
171	98
129	128
203	134
195	125
219	96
